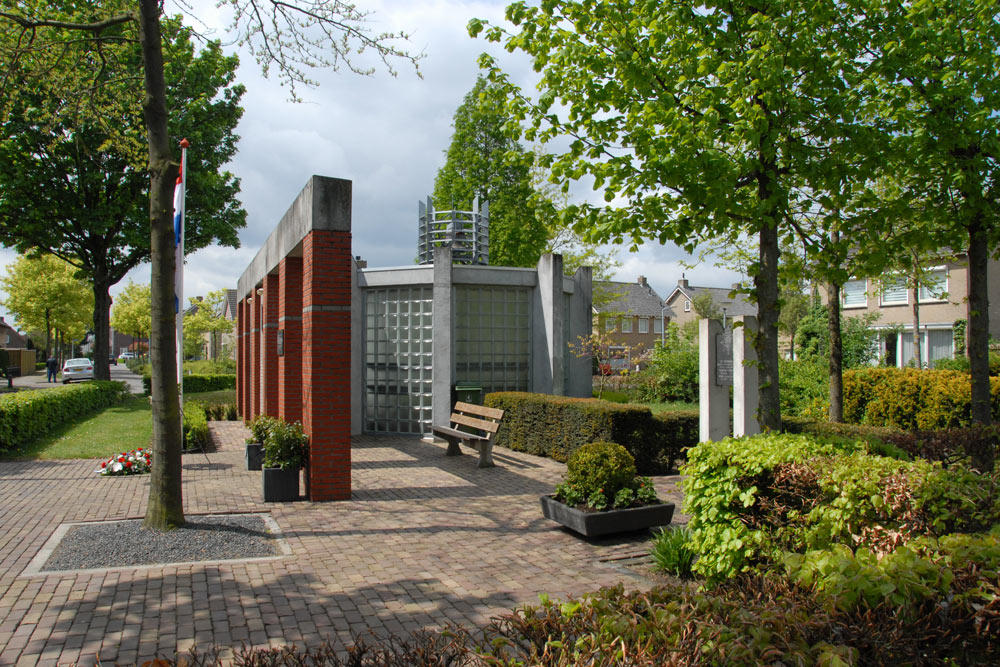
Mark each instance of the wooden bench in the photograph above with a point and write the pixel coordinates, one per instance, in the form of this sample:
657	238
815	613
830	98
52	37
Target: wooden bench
483	419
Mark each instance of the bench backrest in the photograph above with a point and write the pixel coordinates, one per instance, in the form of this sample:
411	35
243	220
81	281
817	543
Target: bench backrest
477	416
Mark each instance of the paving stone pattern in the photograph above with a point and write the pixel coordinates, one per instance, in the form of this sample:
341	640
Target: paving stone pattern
426	540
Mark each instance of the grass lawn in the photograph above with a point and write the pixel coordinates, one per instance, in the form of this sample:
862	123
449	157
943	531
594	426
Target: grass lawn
117	429
672	406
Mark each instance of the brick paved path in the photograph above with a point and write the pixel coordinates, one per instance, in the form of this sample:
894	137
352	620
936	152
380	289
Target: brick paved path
425	541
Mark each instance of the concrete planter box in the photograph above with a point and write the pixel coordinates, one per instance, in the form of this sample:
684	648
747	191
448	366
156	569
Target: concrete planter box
255	455
280	485
595	524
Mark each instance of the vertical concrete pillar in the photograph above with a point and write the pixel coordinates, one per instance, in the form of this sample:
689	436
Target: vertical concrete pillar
255	354
548	366
326	361
713	398
745	384
443	364
269	356
357	349
241	365
290	328
580	322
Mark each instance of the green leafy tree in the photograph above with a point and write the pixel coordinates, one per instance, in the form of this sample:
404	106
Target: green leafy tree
940	85
693	123
46	294
290	36
483	162
206	319
132	310
75	187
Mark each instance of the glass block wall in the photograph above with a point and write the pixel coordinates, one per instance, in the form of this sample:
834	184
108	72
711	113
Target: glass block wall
493	337
398	357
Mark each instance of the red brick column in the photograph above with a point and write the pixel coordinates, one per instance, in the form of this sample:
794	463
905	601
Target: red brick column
241	362
269	357
290	323
255	354
326	361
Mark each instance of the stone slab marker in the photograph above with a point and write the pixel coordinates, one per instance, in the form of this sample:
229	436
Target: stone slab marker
713	397
745	384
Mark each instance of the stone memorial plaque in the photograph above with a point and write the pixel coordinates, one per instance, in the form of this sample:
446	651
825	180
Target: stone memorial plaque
724	358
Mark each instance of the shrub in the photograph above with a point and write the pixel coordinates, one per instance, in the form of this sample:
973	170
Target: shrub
205	367
602	474
672	553
27	415
948	446
259	427
285	445
221	411
196	434
751	499
195	384
805	387
911	399
672	373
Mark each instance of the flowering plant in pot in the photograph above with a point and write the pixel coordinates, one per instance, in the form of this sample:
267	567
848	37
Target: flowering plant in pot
603	494
285	450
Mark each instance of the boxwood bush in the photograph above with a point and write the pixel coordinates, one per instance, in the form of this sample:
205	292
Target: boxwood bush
752	499
27	415
555	426
196	434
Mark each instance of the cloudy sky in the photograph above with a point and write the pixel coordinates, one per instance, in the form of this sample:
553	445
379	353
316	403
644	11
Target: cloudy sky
387	135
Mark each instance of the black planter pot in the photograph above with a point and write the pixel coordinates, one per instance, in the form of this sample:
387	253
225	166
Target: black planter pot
280	485
255	455
596	524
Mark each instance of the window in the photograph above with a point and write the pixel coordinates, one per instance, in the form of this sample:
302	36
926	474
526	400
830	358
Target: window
609	324
854	294
626	325
657	325
934	285
644	325
687	306
894	291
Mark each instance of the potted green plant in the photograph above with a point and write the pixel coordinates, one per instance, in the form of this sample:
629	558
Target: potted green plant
258	426
285	449
603	494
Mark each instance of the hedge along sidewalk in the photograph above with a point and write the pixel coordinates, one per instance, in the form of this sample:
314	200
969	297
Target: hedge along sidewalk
198	383
28	415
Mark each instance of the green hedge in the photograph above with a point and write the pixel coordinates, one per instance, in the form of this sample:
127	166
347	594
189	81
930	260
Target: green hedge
910	398
27	415
195	426
194	384
555	426
753	499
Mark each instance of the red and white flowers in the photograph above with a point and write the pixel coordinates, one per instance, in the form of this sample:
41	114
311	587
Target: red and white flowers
136	462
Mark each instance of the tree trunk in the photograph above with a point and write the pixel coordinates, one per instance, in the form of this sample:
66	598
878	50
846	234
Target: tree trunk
48	333
978	331
102	327
766	287
917	355
165	508
836	354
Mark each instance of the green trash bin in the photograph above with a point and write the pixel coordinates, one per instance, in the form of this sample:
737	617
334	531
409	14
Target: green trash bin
468	393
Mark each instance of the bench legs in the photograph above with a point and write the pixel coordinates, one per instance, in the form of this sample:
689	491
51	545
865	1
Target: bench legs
453	447
485	450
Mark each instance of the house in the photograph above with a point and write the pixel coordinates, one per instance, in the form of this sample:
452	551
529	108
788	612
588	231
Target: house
10	338
681	301
632	314
941	301
225	344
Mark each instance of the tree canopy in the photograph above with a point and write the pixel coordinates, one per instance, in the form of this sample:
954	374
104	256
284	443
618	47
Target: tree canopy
206	319
484	162
75	185
131	312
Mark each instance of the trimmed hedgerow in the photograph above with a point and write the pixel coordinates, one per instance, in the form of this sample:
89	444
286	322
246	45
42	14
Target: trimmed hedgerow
195	384
911	399
196	435
555	426
754	498
27	415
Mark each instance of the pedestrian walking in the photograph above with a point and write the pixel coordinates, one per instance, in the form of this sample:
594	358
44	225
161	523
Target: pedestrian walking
52	367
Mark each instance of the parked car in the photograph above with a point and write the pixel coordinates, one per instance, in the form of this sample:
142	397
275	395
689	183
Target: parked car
125	356
77	369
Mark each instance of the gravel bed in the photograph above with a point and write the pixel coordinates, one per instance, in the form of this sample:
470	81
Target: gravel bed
124	543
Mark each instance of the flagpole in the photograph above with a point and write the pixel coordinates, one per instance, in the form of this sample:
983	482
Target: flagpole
179	284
